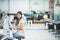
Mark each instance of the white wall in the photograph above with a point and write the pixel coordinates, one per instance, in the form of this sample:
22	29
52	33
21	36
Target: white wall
4	5
39	5
28	5
24	5
19	5
56	8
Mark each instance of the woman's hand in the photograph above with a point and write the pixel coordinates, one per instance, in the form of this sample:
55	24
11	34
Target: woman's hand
14	27
17	28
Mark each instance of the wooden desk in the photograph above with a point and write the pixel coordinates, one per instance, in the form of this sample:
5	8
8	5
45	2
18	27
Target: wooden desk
38	21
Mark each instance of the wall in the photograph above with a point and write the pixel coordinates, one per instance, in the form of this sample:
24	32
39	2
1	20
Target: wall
25	6
19	5
56	11
39	5
56	8
4	5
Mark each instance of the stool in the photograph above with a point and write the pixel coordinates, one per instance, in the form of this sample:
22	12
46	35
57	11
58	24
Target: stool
30	22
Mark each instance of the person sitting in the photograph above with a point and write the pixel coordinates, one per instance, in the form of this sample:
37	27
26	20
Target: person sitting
19	25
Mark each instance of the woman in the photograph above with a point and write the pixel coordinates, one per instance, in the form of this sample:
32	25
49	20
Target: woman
19	25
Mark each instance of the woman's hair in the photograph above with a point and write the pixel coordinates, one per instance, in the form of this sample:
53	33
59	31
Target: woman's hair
19	12
16	18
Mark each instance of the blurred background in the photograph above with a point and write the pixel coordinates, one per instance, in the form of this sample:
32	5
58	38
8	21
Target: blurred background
41	17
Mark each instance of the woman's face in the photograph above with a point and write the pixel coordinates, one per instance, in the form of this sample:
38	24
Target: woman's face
18	15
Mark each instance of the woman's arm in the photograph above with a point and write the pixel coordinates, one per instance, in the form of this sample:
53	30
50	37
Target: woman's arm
21	27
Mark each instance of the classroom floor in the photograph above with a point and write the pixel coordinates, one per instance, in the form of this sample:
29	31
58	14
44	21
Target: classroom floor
38	32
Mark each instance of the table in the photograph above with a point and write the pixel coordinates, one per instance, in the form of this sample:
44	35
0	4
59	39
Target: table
56	23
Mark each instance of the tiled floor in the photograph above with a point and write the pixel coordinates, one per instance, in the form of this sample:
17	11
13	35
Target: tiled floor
35	26
37	32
